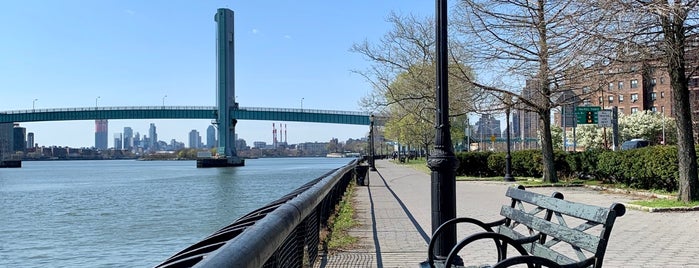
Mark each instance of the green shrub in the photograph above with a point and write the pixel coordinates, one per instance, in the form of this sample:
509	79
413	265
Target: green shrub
473	164
496	163
527	163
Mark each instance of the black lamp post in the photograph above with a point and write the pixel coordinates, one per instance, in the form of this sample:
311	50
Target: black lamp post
508	158
371	143
443	162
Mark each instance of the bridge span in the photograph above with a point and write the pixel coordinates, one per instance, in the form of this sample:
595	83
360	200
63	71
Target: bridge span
185	112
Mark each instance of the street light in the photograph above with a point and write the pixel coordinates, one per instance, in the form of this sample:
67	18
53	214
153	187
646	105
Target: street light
371	143
442	162
98	97
508	157
164	100
33	102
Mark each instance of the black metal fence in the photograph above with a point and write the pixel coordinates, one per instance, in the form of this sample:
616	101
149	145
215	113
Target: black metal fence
283	233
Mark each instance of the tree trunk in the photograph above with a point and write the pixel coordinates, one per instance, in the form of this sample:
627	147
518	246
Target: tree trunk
674	36
547	147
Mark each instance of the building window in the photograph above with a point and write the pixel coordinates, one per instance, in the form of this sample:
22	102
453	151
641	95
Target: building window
611	86
634	110
662	94
620	85
621	110
634	83
621	98
654	109
662	109
652	96
634	97
652	81
662	80
610	99
600	100
586	90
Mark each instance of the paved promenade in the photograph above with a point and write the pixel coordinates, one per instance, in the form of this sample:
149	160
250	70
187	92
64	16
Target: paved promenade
394	216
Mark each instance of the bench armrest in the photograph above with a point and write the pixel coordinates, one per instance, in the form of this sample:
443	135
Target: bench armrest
501	241
486	226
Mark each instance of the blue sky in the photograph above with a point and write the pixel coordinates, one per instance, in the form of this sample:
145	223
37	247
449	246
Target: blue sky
134	53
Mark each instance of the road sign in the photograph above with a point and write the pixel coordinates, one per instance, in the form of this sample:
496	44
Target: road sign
604	118
492	138
587	114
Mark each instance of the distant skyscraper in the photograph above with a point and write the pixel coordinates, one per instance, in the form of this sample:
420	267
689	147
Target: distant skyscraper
118	141
211	137
194	139
101	136
30	140
153	135
20	138
137	140
128	138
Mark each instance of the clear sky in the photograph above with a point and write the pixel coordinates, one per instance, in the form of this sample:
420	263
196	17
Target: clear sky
73	53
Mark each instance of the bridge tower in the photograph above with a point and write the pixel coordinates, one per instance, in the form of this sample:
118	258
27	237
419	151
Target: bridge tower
225	91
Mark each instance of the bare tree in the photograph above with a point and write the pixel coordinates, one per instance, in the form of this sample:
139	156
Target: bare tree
537	43
402	75
662	34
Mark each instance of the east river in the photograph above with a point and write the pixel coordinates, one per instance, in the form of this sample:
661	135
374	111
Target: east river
127	213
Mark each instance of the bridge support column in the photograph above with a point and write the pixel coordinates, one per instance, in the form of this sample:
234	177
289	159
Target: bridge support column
225	93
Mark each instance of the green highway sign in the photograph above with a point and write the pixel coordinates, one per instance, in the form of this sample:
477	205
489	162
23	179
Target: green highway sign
587	114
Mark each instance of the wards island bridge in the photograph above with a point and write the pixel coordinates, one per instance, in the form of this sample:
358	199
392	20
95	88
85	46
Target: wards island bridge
185	112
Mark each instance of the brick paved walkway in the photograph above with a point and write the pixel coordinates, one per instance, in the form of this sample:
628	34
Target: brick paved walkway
394	216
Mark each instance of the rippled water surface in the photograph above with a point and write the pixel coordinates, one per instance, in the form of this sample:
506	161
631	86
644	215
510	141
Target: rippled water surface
132	213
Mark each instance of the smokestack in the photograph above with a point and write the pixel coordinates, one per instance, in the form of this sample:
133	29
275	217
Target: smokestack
274	136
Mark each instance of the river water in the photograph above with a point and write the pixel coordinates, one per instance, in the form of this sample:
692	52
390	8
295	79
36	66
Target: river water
126	213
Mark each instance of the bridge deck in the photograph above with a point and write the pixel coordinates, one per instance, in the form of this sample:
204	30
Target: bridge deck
184	112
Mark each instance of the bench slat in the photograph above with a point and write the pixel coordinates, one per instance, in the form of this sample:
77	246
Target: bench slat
536	249
574	237
581	211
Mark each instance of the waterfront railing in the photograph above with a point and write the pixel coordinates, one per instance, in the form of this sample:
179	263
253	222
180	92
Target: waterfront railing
283	233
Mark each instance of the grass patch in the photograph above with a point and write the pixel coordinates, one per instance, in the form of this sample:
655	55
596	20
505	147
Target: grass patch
418	164
664	203
341	222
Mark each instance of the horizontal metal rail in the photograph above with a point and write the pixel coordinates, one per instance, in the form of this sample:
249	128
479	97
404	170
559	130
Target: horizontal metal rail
283	233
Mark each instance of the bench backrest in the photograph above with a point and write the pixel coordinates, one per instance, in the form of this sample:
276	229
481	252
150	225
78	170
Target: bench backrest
552	219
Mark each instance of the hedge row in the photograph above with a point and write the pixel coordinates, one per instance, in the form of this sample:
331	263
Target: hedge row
645	168
526	163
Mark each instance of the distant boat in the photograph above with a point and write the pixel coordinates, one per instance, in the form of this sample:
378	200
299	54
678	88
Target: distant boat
335	155
341	155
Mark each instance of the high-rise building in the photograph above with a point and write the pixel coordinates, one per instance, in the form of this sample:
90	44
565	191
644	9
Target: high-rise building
153	135
101	136
137	140
20	139
128	138
194	139
211	137
30	140
118	141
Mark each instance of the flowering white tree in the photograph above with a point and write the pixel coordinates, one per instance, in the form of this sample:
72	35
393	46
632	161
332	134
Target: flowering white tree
642	125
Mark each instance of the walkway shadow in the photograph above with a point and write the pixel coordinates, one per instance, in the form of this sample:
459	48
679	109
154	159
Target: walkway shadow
405	209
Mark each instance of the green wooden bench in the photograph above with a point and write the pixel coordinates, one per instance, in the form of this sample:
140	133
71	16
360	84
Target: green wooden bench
543	230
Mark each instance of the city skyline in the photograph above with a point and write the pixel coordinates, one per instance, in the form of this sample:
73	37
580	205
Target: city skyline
145	131
130	53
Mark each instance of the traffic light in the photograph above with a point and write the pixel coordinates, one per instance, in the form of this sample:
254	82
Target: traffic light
589	117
